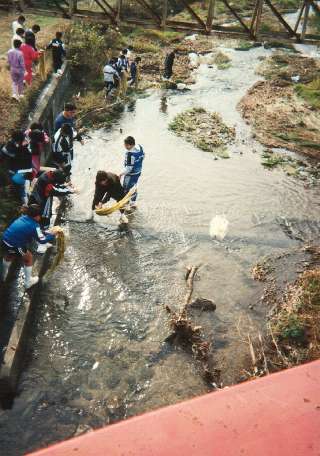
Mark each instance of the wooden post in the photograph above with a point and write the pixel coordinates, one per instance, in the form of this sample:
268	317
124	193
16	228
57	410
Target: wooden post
164	14
119	10
210	17
300	16
305	19
258	18
72	7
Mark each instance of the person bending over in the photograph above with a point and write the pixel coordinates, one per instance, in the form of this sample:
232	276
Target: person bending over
16	239
48	185
108	186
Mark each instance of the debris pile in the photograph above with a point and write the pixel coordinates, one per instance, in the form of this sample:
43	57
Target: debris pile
205	130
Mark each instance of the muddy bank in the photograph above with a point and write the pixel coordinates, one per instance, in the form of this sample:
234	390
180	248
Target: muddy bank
292	293
278	115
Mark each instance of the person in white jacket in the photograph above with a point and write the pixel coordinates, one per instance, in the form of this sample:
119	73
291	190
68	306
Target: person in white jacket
110	75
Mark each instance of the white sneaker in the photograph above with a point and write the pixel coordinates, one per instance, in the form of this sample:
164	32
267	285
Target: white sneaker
59	71
42	248
33	280
123	219
15	97
21	96
29	281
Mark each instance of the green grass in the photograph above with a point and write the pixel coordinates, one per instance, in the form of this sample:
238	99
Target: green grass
310	92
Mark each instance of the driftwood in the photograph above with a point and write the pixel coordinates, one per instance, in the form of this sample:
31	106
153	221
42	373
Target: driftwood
188	335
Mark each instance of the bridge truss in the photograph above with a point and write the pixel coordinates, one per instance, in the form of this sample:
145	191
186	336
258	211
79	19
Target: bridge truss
250	26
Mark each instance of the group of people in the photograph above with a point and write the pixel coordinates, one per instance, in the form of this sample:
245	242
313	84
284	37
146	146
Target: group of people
22	155
24	54
120	71
36	188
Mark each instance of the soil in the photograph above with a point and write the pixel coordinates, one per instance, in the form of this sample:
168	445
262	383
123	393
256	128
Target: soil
292	328
279	117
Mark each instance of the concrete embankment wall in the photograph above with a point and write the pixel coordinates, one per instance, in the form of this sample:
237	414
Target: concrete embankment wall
48	105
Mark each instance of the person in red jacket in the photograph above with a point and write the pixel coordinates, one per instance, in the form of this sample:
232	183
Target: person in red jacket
29	56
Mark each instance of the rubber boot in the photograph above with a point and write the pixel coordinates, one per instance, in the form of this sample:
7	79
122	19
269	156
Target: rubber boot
5	269
123	219
29	281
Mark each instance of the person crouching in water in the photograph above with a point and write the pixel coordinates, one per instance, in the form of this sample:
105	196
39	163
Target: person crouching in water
17	237
108	186
133	166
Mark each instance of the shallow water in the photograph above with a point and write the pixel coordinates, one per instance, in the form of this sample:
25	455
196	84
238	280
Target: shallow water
98	352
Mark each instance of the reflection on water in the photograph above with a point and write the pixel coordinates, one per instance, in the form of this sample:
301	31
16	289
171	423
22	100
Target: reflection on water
98	352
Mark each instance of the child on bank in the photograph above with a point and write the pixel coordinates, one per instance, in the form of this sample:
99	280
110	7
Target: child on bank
30	56
58	52
17	69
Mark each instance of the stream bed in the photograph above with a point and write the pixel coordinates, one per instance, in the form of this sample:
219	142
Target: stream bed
98	352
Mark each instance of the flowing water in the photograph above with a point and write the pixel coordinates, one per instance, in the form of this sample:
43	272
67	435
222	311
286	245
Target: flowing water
98	351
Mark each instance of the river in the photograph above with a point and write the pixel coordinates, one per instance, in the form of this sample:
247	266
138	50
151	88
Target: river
98	352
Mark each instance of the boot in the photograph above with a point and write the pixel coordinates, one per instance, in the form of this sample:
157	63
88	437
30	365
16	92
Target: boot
42	248
29	281
5	269
123	219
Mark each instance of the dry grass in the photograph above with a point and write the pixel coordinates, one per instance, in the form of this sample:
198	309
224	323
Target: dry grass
296	324
12	114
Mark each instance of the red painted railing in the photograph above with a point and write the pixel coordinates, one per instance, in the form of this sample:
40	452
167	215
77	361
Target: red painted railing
278	415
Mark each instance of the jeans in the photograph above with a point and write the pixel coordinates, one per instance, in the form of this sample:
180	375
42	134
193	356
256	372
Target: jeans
130	181
19	180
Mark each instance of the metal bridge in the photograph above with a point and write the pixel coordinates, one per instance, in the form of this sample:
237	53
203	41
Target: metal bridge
124	12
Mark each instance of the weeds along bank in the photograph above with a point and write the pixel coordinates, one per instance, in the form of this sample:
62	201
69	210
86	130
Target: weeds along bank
91	45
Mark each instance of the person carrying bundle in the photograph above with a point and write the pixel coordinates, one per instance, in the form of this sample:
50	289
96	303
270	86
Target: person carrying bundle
108	186
58	53
16	239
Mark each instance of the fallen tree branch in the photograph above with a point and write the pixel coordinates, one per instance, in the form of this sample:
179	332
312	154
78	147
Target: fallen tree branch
186	334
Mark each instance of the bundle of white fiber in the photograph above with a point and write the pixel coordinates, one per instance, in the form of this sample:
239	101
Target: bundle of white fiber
219	227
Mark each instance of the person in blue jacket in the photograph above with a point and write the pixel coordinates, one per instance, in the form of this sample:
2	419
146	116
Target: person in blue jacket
133	167
16	239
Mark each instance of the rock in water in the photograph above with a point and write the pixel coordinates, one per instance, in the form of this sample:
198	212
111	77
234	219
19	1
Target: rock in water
203	304
219	227
181	86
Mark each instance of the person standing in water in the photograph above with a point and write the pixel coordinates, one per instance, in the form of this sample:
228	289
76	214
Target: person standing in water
134	157
168	64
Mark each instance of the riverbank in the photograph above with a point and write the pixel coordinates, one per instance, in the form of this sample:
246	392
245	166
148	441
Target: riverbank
283	110
99	349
